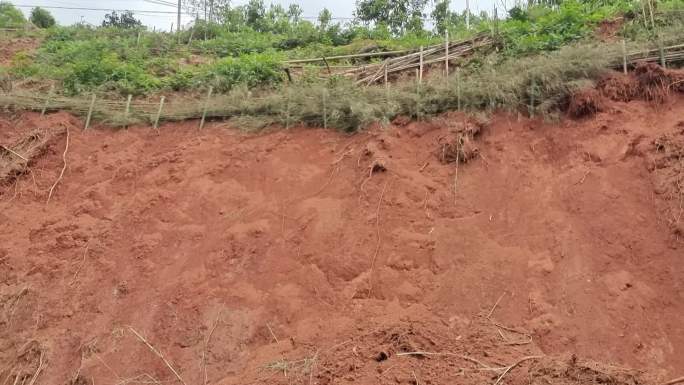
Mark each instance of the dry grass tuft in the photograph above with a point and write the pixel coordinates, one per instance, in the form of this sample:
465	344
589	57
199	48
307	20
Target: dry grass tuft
15	159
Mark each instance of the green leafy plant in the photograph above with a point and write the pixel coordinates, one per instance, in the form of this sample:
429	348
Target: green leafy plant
42	18
10	16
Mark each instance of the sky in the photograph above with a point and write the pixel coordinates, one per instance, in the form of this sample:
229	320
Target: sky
339	8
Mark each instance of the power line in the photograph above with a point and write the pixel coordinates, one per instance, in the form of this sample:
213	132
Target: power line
159	2
100	9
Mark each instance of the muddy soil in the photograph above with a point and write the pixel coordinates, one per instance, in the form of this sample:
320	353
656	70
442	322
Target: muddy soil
306	256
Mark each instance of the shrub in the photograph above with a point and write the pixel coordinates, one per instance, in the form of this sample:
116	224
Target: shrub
41	18
10	16
250	70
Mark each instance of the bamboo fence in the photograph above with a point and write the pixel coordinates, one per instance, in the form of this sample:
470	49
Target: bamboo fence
122	112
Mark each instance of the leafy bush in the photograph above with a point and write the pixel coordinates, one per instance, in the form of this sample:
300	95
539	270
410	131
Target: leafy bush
251	70
41	18
10	16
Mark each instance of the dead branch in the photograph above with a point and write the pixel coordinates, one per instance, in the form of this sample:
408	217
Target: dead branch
509	368
85	254
272	334
61	174
158	354
675	381
41	366
495	305
461	356
13	153
206	345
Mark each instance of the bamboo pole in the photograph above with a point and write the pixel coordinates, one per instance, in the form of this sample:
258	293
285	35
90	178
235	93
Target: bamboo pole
496	21
468	14
287	112
650	10
420	76
458	88
624	56
127	112
159	112
361	55
90	112
206	107
643	10
532	91
325	108
387	81
47	100
446	56
418	94
192	35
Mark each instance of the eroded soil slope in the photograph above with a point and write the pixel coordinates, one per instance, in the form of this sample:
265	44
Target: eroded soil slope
307	256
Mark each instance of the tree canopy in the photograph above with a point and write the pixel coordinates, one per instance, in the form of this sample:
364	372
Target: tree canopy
124	20
42	18
10	16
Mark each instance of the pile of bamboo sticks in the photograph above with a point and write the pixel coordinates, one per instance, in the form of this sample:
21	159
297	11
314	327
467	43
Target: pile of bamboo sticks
424	57
397	61
661	55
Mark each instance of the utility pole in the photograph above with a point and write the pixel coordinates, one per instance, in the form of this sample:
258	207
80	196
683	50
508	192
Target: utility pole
467	14
179	16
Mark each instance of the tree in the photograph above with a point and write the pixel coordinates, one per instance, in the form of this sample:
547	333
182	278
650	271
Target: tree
294	12
324	19
210	9
125	20
42	18
441	15
254	13
10	16
399	15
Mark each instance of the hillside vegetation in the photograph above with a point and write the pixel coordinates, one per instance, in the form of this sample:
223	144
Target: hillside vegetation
241	51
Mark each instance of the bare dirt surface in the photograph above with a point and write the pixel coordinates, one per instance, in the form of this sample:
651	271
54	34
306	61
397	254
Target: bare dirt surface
9	47
311	257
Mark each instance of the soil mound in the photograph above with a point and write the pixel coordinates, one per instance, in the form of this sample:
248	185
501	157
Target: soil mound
291	256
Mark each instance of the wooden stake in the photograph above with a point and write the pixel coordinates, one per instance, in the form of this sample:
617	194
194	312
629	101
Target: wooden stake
458	88
663	60
624	56
156	120
386	76
137	42
446	56
418	96
47	100
206	108
90	112
171	27
325	108
420	76
128	109
287	113
532	91
387	85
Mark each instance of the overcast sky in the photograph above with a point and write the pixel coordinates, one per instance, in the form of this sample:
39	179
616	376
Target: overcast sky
339	8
